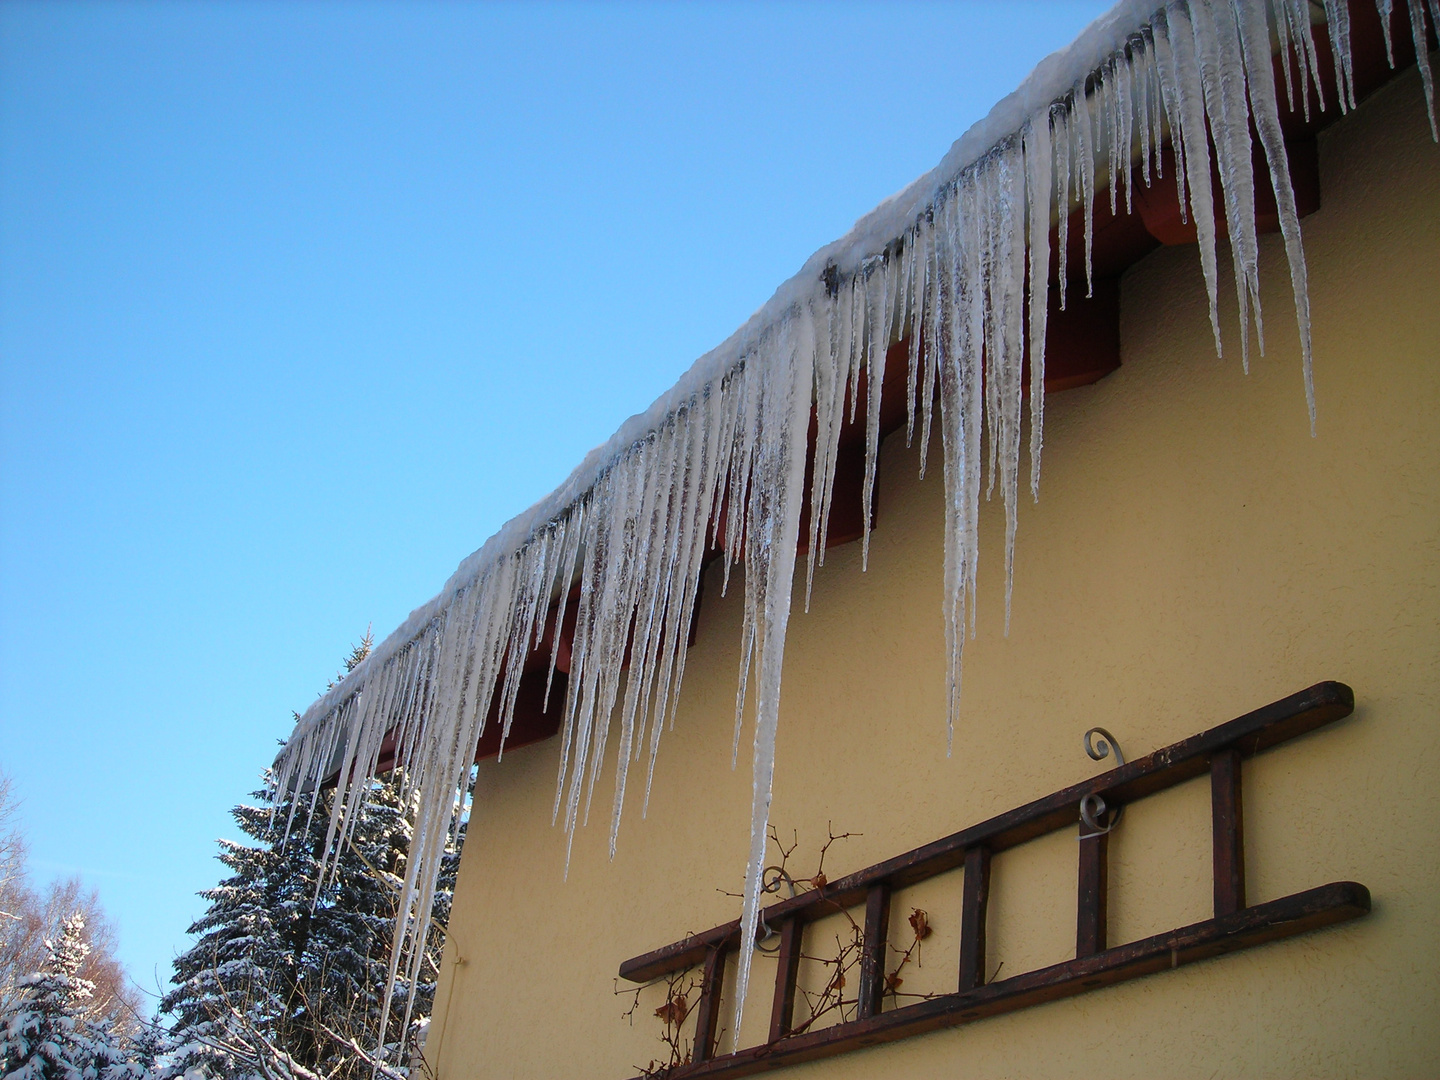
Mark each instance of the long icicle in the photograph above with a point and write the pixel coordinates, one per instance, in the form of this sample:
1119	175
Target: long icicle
773	522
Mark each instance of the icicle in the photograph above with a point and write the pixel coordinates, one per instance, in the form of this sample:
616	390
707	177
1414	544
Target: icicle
1383	7
681	565
616	609
1337	17
1222	75
574	531
1422	60
528	611
1125	107
1146	64
830	385
1283	15
682	562
1157	98
1190	112
774	525
1008	301
714	431
853	338
877	344
961	415
914	289
1037	200
652	539
1085	164
653	477
987	177
1105	90
1265	111
741	453
1167	78
930	374
1061	127
579	701
749	631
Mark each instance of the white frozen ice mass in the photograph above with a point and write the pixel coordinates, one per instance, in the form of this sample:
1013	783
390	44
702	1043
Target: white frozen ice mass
942	264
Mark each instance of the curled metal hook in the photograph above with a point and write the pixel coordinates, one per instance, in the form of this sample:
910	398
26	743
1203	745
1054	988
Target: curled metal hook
1092	807
1092	812
771	878
1104	748
769	933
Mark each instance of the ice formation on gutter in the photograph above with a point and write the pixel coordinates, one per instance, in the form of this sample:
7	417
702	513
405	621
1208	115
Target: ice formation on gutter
944	265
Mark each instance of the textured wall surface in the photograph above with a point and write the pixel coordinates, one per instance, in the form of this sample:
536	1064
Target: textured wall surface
1195	554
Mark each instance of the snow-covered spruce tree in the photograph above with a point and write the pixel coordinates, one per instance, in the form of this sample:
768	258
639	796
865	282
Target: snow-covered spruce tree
288	975
149	1043
227	968
45	1033
112	1052
344	966
345	963
234	987
347	960
29	917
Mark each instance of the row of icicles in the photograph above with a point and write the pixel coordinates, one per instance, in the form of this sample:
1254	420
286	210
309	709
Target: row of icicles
956	281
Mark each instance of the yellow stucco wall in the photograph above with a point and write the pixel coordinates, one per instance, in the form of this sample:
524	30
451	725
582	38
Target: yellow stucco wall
1195	554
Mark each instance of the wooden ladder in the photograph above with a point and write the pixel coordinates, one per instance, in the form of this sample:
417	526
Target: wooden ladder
1219	751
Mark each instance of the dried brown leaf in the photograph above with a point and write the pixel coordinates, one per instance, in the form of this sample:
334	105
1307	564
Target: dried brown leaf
674	1011
920	923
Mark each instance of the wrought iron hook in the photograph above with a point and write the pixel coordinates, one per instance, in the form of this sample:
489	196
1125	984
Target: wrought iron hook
771	879
1104	748
768	933
1092	807
772	876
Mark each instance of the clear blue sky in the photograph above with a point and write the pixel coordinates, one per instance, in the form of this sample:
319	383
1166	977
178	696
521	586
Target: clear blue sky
299	303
